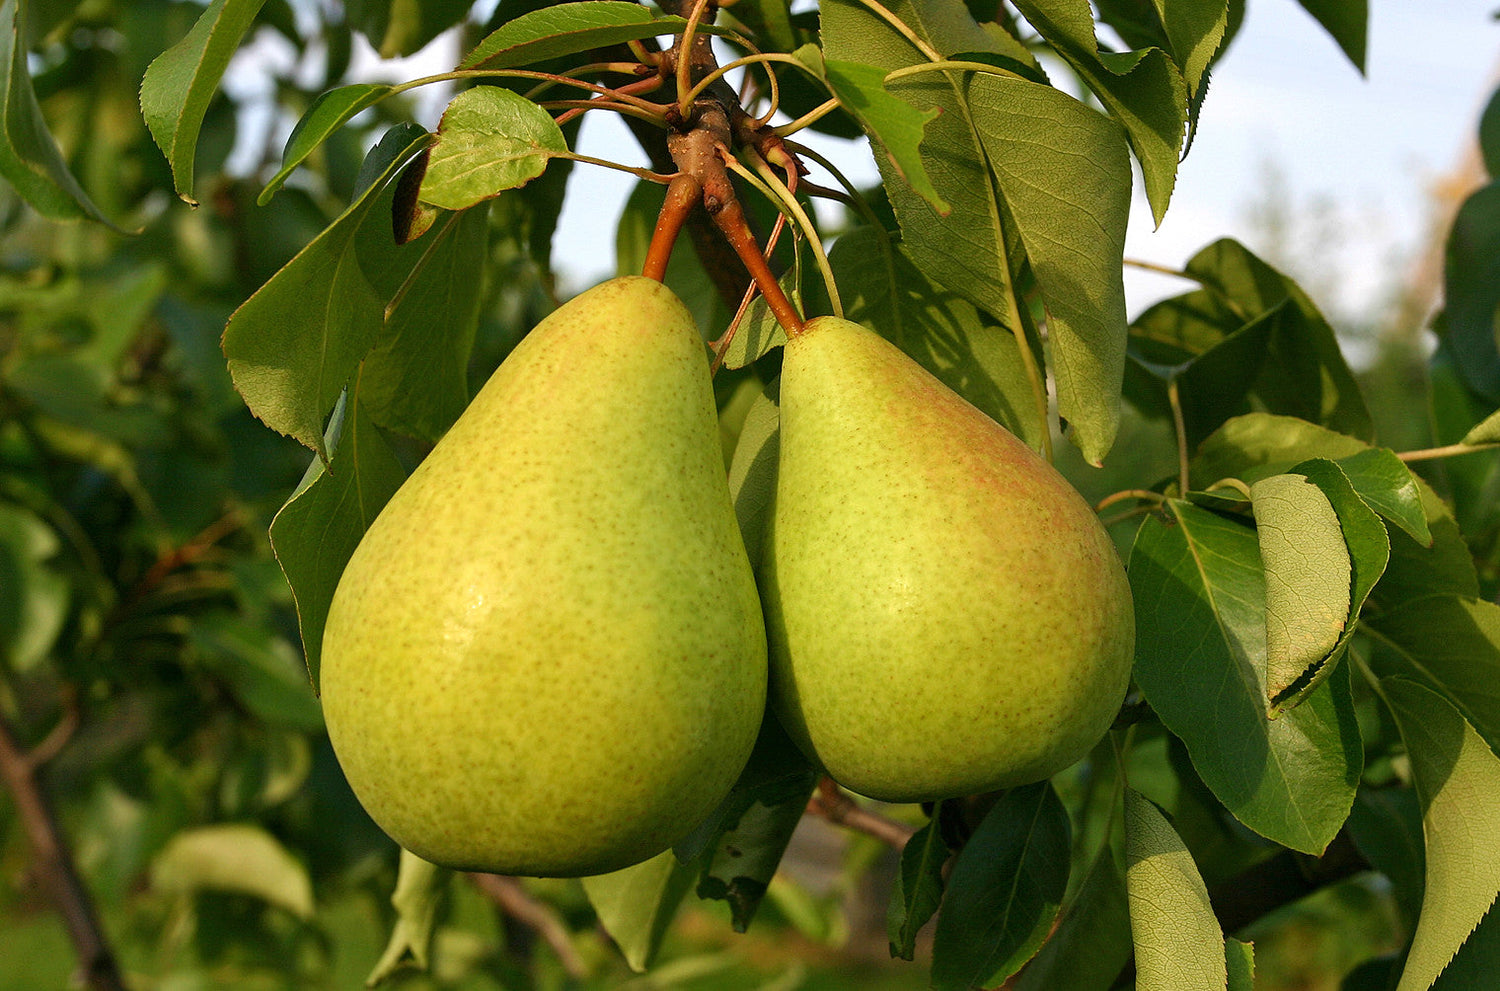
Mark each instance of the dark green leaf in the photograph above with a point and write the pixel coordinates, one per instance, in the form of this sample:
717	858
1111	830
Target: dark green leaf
1455	773
1005	889
29	157
742	841
752	471
1471	291
329	112
1178	943
945	333
490	140
1199	592
1451	644
918	888
317	530
415	381
1477	961
635	905
1092	943
894	123
398	27
567	29
1346	21
1240	958
1386	826
293	346
1489	135
179	84
261	668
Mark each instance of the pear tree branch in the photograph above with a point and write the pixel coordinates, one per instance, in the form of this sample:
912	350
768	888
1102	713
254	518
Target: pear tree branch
515	902
829	802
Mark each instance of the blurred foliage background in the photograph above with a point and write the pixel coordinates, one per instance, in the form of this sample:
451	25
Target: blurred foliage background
152	674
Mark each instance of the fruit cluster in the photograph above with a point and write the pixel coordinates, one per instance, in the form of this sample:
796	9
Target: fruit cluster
548	655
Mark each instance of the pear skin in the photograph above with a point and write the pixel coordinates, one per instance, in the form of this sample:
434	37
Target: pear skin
947	615
547	656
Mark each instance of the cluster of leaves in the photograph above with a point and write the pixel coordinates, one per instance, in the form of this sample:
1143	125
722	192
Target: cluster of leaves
1317	632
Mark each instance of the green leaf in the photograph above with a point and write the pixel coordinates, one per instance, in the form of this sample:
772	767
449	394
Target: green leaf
490	140
1477	960
1456	776
1471	291
742	841
944	332
35	604
1489	135
1386	826
1369	550
29	157
1199	591
1092	943
895	124
419	890
635	905
1178	943
1387	486
237	858
1451	644
1005	890
415	381
1346	21
293	346
752	471
567	29
918	888
1307	576
181	81
1240	958
261	668
403	27
315	533
1487	431
1143	90
329	112
1065	176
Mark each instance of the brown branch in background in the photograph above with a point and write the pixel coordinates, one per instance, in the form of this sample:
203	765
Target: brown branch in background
52	861
197	546
515	902
832	804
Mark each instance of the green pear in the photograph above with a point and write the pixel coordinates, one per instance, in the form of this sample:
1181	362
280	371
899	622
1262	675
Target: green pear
947	614
547	656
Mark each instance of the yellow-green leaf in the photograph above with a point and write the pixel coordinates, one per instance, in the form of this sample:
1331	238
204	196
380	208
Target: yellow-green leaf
234	857
419	888
1178	943
1457	777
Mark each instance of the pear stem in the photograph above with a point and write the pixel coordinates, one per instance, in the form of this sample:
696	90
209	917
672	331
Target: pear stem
1446	451
684	193
1155	498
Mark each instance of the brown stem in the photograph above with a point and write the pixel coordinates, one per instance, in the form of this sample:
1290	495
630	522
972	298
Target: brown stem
515	902
54	867
684	193
830	802
731	223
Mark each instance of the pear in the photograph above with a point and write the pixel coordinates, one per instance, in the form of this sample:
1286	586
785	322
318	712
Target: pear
947	615
547	656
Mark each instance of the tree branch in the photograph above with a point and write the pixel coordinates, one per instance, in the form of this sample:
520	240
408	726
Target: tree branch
515	902
830	802
54	868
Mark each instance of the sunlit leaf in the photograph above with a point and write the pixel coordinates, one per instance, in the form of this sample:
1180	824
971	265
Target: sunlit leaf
34	605
418	894
1240	958
1307	576
752	471
234	857
1487	431
897	124
1456	776
490	140
567	29
635	905
179	84
1178	943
